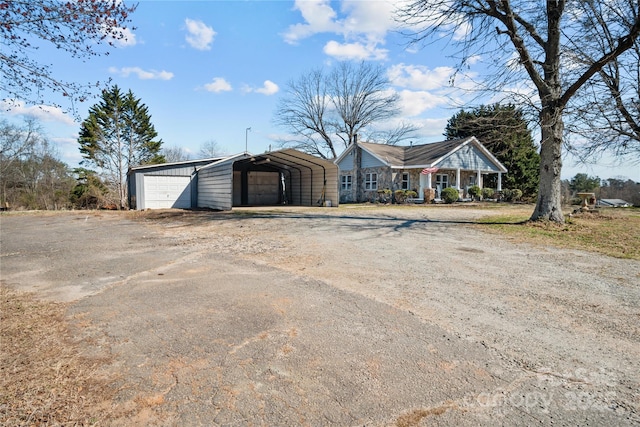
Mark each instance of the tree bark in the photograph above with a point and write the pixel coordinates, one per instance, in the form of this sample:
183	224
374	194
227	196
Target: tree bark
549	203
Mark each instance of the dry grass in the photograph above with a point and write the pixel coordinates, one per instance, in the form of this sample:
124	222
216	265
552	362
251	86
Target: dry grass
43	380
613	232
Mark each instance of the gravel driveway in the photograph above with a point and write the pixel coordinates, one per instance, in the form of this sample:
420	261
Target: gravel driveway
379	316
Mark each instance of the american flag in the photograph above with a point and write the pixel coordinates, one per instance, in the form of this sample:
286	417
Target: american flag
427	171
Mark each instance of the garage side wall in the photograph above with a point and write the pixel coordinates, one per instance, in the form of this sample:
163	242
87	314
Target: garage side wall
215	185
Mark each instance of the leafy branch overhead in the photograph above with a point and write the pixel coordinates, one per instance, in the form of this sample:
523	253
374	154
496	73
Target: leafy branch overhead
77	27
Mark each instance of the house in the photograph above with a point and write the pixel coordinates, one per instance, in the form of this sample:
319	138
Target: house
273	178
366	168
613	203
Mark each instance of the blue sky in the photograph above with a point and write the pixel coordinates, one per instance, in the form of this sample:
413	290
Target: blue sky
208	70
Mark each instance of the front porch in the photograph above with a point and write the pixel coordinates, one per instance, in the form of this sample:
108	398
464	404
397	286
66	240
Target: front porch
459	179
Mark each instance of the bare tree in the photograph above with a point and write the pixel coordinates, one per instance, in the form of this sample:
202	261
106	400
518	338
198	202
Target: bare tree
304	112
175	154
325	111
76	27
31	174
545	38
394	136
211	149
610	119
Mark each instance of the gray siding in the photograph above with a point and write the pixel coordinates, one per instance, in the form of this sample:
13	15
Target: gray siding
136	180
468	157
136	185
346	164
368	161
215	185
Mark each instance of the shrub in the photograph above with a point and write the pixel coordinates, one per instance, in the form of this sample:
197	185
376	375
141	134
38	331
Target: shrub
384	195
450	195
475	192
401	196
511	195
487	193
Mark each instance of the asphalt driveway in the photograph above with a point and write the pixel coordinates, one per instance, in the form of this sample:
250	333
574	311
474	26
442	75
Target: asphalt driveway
202	336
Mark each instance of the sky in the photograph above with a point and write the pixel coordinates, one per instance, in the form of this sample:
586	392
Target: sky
209	70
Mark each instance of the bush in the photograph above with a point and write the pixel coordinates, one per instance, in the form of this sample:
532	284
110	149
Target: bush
402	196
487	193
475	192
384	195
511	195
450	195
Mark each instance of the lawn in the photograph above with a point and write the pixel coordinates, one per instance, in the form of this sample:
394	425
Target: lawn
613	232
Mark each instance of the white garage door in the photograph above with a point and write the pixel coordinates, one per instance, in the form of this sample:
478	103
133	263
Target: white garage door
167	192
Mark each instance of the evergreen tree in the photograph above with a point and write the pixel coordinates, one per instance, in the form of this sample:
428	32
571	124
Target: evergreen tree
583	183
119	134
504	131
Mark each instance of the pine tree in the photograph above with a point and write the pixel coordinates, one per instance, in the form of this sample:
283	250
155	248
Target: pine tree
119	134
504	131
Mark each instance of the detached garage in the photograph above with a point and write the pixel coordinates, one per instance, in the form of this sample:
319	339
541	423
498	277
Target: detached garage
285	177
168	185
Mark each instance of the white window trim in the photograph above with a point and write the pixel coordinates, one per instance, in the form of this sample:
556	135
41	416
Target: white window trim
439	181
368	180
346	182
408	181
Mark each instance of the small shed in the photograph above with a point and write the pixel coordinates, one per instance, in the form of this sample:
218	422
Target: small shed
284	177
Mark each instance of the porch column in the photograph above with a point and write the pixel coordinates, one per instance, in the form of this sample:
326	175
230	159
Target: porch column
429	180
499	181
479	179
458	179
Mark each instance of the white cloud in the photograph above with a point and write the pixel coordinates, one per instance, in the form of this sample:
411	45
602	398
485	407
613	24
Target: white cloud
120	37
200	35
218	85
430	128
414	103
474	59
359	51
420	77
319	17
46	113
269	88
372	19
142	74
128	38
363	25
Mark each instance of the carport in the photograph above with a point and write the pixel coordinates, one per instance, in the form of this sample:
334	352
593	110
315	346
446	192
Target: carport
284	177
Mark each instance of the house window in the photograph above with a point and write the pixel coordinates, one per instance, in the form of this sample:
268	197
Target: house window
442	181
405	181
345	182
371	181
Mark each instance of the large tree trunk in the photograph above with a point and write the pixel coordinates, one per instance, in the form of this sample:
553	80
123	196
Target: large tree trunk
549	204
